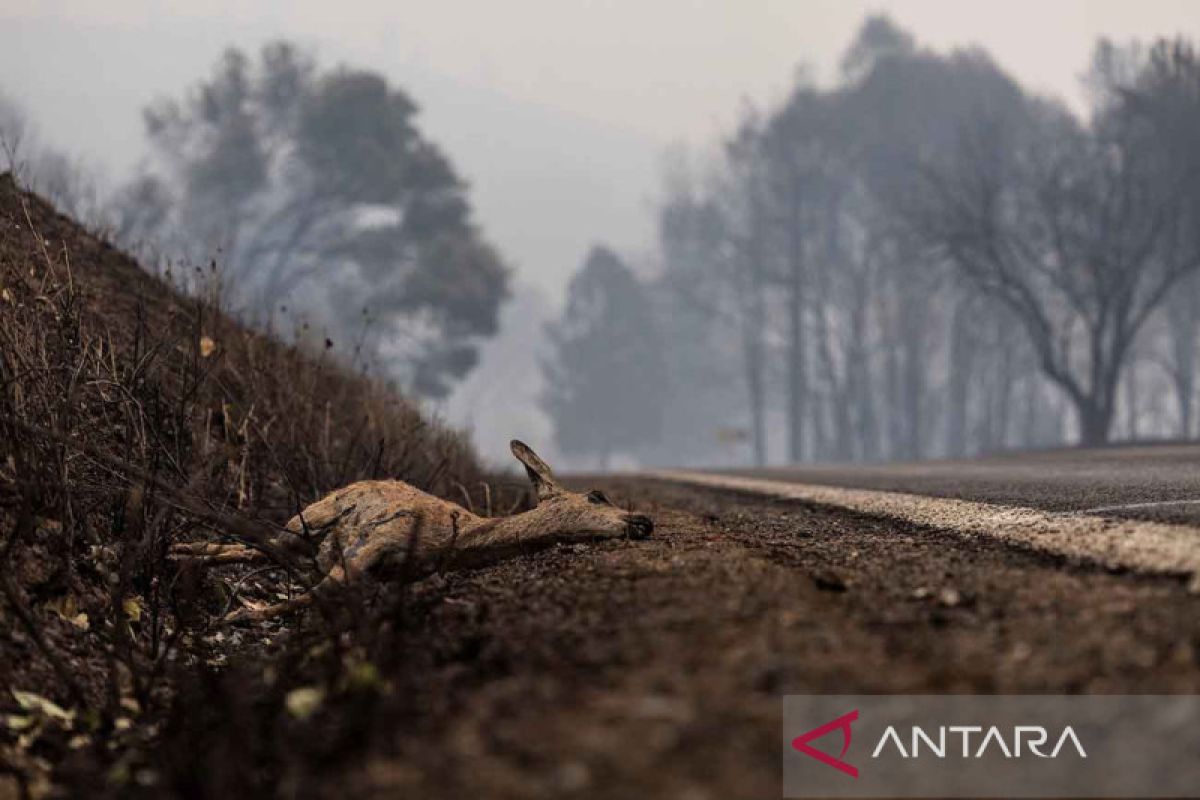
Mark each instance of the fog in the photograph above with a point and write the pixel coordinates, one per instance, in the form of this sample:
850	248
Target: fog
573	125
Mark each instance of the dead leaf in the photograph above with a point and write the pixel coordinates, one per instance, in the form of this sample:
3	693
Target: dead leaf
68	608
35	702
302	703
65	606
207	346
15	722
363	675
132	608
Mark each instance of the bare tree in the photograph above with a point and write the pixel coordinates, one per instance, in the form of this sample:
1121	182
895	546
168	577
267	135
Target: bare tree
14	127
1072	227
748	259
926	260
792	145
713	239
1161	87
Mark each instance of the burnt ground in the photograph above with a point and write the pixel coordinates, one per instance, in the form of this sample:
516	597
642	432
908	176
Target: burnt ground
655	669
135	413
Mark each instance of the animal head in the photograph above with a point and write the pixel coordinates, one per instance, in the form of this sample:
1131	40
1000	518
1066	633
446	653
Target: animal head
576	513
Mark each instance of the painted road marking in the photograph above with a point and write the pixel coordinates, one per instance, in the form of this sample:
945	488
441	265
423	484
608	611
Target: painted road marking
1129	506
1142	546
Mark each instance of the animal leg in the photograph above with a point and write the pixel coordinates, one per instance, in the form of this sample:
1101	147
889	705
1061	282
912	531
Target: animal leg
335	578
209	554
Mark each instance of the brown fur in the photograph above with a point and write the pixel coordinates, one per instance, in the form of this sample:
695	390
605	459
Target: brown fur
357	527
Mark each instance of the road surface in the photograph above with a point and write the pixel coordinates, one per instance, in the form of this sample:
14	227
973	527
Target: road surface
1154	482
1134	508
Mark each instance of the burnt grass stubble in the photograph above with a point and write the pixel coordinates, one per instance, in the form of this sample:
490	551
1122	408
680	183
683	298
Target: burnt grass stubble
611	669
133	415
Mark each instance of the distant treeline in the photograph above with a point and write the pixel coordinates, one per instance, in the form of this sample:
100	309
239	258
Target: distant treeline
924	260
319	203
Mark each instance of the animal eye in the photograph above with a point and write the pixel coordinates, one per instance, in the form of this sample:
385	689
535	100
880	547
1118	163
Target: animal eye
597	496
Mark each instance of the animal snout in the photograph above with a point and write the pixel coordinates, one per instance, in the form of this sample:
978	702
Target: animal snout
639	526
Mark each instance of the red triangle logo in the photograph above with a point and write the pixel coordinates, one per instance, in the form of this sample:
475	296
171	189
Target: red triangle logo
842	723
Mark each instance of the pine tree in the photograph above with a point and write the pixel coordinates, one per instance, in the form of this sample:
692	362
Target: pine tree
605	373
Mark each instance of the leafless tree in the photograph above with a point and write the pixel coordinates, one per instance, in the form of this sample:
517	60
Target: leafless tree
713	241
1075	229
1160	86
14	127
927	260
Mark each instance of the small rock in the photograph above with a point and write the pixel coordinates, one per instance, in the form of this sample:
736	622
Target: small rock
1021	651
829	581
573	776
949	597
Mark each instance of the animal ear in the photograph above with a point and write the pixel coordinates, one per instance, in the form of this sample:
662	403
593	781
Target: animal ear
539	474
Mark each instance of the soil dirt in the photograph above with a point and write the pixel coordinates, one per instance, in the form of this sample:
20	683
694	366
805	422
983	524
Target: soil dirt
655	668
135	414
617	669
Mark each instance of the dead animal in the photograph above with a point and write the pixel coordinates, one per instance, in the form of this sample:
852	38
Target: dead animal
357	527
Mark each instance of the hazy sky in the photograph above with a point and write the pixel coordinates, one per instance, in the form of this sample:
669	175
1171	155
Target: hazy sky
556	111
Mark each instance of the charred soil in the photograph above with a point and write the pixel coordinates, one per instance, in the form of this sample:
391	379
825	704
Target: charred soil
132	415
619	669
655	669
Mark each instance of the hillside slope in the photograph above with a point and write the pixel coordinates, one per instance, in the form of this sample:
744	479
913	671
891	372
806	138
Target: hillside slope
114	389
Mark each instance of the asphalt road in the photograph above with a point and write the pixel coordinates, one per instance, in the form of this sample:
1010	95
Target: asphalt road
1153	482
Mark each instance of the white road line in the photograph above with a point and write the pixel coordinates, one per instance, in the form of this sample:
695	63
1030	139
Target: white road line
1141	546
1128	506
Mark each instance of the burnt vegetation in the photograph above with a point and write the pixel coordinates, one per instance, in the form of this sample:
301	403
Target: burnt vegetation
133	415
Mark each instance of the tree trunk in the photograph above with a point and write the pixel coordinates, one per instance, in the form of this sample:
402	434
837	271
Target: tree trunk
1029	427
891	394
1131	403
1003	393
795	339
1095	422
836	434
754	314
914	393
1185	390
911	399
1183	314
959	380
859	368
756	391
